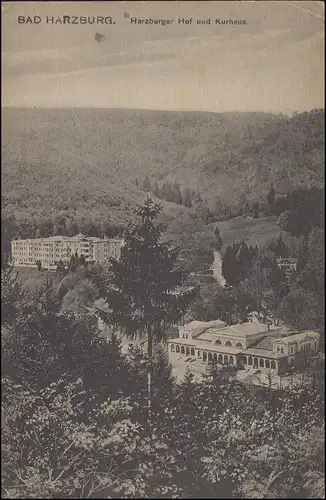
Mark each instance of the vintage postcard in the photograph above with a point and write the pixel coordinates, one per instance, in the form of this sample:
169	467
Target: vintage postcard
162	249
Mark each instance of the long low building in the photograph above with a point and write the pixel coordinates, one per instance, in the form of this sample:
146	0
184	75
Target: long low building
50	251
248	344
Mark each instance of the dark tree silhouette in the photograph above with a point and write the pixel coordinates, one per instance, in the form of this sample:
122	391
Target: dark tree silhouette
147	184
140	295
219	241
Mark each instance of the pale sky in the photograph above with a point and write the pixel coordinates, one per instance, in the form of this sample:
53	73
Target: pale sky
273	63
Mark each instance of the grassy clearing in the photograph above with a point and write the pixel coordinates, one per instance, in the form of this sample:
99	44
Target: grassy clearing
253	231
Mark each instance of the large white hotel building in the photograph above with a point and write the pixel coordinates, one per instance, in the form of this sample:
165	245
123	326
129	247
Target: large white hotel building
50	251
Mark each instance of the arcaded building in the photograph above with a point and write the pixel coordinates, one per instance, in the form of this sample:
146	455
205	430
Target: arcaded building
248	344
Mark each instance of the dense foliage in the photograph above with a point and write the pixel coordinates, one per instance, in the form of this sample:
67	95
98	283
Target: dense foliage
69	439
297	296
75	415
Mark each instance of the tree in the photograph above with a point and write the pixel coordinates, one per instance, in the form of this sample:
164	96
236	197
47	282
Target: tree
81	297
196	243
60	267
218	236
279	248
304	209
177	194
71	228
243	202
197	197
11	295
82	260
255	210
156	190
56	230
187	198
73	263
285	220
197	253
140	296
46	228
203	212
271	199
237	262
167	192
279	287
109	228
88	228
258	282
301	253
214	302
44	344
60	454
312	276
8	232
244	301
301	309
147	184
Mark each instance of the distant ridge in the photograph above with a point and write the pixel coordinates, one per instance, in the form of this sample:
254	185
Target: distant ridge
90	158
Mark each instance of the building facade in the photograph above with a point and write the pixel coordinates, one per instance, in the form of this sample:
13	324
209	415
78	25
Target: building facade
254	345
50	251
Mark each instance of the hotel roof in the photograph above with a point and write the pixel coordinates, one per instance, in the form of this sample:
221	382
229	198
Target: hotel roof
243	330
79	237
194	324
266	343
297	337
263	353
208	335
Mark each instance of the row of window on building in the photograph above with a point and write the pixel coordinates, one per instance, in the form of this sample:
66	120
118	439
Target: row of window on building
218	342
229	344
226	359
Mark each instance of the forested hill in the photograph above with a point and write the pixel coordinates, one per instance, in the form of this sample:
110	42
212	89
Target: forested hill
91	160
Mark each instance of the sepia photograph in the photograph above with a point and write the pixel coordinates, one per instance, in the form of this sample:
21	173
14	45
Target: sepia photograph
162	250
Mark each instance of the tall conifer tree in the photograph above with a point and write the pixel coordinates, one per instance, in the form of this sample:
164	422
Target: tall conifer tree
141	294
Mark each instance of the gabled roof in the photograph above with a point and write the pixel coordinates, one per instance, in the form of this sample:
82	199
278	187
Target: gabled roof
266	343
246	329
202	326
298	337
265	353
194	324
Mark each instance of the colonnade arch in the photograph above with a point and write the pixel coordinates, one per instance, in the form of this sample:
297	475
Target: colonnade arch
226	359
256	362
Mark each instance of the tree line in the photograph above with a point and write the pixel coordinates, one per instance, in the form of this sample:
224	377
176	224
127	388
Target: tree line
210	211
171	192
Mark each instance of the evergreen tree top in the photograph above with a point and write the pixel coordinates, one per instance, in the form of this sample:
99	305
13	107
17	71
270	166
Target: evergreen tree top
143	282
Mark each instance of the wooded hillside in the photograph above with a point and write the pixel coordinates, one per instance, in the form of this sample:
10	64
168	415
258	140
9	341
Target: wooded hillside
95	160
